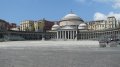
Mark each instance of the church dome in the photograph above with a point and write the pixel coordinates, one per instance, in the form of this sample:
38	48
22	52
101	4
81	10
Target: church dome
82	26
55	27
71	19
71	16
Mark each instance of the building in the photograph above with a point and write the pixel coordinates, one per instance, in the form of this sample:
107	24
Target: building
39	25
71	19
47	25
36	26
4	25
43	25
97	25
72	27
55	26
68	27
13	25
15	29
27	25
110	23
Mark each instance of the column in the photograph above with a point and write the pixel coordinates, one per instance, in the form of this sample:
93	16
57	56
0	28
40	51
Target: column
60	34
73	35
57	34
65	34
76	34
68	34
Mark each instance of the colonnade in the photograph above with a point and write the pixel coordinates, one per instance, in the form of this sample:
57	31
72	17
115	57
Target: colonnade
66	34
89	35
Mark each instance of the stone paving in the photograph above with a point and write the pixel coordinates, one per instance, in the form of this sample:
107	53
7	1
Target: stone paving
56	56
53	56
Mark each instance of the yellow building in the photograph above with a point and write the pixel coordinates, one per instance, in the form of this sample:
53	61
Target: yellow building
39	26
27	25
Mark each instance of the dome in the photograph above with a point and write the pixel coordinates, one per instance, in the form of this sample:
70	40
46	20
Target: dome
82	26
55	27
71	19
71	16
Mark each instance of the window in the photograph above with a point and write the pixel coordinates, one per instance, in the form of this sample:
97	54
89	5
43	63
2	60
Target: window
102	25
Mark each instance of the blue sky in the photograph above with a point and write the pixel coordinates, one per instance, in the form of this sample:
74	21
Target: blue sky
19	10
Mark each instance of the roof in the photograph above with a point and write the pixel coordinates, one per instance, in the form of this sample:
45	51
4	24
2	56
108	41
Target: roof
71	16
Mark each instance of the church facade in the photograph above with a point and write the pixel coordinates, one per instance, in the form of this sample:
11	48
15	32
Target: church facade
72	27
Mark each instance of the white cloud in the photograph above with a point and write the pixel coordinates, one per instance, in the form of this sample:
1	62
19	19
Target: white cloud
117	15
114	3
101	16
102	1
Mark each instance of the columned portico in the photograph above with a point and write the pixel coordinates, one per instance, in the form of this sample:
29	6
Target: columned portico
66	34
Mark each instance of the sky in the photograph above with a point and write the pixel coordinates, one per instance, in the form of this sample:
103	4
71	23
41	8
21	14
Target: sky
15	11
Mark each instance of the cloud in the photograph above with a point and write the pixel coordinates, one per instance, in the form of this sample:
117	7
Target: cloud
117	15
114	3
102	1
101	16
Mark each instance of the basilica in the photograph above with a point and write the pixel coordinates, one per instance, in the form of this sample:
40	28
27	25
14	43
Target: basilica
72	27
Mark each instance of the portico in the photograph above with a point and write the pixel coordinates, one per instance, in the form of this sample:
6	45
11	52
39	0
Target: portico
66	34
68	26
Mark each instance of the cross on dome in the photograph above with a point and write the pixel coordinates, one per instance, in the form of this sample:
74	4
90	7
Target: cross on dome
71	12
